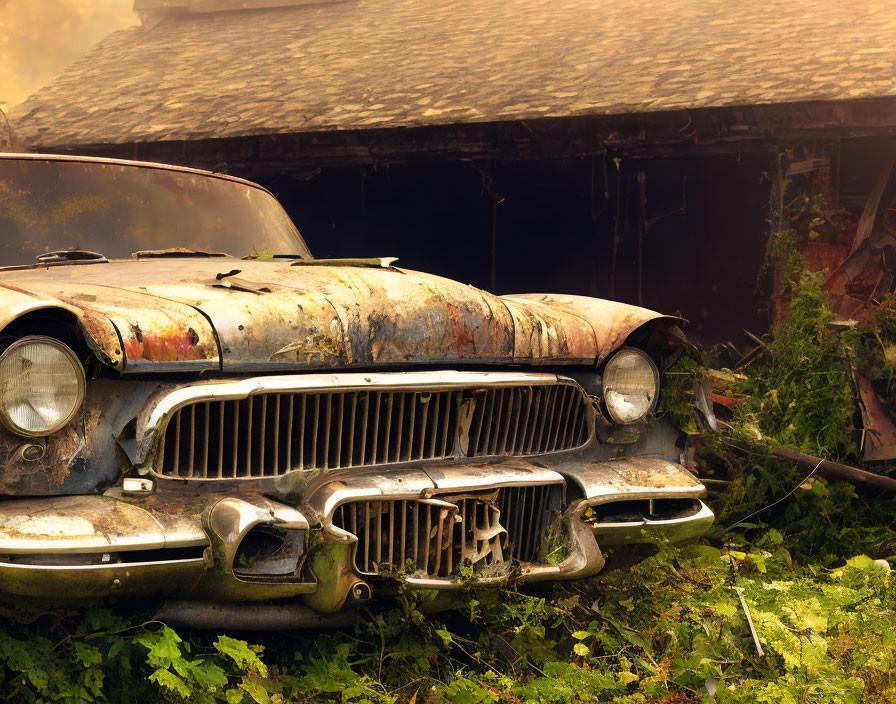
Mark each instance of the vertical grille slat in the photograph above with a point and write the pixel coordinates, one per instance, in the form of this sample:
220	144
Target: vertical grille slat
262	435
250	428
177	441
435	402
204	448
351	431
424	417
340	415
376	428
364	427
328	422
288	411
313	435
276	448
404	532
490	395
450	403
400	435
269	434
386	444
412	415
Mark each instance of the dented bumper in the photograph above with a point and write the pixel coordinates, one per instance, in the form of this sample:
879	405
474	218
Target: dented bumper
436	526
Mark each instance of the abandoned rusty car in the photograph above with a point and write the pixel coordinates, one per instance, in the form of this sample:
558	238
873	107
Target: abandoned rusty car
194	407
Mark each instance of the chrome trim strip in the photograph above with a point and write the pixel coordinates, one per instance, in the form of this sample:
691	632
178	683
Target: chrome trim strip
99	568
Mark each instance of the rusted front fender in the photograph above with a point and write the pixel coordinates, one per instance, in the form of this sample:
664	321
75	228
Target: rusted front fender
612	323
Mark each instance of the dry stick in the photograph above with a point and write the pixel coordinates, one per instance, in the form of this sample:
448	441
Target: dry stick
835	470
743	602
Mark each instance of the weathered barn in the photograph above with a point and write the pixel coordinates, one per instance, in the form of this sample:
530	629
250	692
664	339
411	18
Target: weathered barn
629	149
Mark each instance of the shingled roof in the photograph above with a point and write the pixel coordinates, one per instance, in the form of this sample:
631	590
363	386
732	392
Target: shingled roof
366	64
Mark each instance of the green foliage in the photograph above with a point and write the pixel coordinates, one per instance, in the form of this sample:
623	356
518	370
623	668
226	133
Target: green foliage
677	392
799	223
801	392
669	630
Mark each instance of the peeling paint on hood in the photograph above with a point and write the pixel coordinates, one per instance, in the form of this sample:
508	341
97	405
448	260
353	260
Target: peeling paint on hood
165	315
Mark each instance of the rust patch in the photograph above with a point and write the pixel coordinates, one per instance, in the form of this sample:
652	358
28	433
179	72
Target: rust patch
166	345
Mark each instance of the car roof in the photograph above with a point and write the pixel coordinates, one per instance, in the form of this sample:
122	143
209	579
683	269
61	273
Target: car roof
71	158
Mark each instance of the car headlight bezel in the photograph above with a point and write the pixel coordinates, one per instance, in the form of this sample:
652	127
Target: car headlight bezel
649	368
78	379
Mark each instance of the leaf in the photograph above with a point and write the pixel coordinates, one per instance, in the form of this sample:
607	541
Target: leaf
240	652
256	690
208	674
447	638
169	680
163	646
581	650
581	635
87	655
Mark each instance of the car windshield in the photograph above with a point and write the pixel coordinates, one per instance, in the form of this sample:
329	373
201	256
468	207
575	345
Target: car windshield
116	210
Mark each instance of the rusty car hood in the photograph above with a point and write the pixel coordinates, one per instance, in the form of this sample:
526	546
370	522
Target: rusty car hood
197	314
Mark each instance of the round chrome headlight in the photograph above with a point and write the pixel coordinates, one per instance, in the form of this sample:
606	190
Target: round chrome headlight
631	384
41	386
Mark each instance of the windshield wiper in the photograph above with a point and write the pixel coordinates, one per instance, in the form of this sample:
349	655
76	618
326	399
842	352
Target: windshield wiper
71	256
374	262
176	252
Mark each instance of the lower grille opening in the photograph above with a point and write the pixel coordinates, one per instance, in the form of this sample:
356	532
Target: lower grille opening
639	509
269	554
450	535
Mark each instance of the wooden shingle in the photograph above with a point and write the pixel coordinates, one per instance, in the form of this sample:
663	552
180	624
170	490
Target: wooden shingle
367	64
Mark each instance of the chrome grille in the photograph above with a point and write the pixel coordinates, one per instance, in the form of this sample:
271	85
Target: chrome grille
527	420
269	434
437	536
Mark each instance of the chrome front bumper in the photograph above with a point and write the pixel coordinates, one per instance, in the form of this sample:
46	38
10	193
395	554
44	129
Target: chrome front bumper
77	548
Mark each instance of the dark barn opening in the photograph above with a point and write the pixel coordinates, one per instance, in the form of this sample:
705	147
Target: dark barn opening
553	222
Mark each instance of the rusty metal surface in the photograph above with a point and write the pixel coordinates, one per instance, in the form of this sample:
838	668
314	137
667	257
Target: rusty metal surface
631	478
253	617
879	442
84	524
169	318
611	322
29	584
150	333
16	302
179	516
